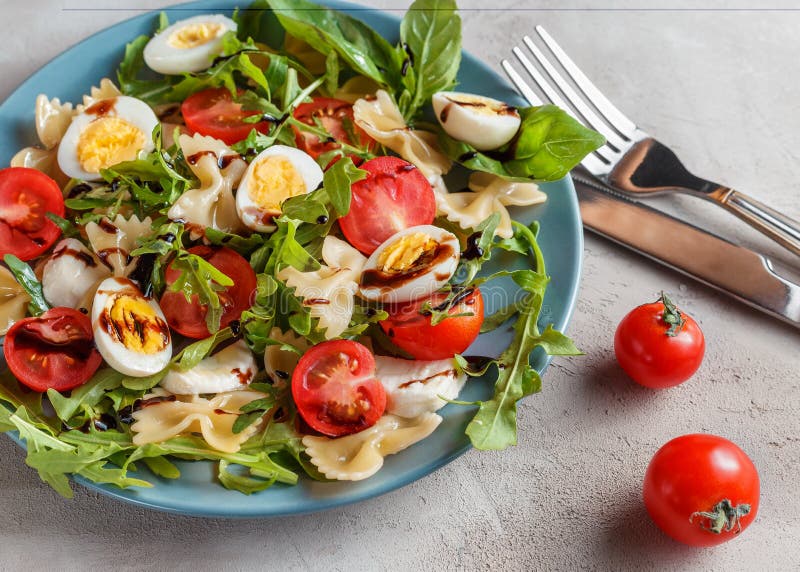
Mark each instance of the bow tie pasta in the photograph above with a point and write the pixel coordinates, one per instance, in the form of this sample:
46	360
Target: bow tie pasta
359	456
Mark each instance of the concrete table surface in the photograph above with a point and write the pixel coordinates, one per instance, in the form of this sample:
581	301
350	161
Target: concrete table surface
719	81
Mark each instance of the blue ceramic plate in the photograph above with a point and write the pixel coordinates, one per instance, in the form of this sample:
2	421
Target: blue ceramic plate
72	73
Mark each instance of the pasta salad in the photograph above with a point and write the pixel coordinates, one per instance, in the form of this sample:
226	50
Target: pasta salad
244	249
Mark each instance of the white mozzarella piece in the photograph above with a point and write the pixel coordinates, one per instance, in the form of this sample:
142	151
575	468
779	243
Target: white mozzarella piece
187	46
483	122
411	264
227	370
413	387
71	273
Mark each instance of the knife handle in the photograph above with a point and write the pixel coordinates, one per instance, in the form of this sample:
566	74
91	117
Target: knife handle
779	227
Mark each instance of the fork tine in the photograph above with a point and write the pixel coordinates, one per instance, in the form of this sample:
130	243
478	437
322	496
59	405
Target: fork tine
574	98
520	84
613	115
593	163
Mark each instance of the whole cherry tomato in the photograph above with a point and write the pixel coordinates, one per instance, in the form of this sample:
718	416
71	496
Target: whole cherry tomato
658	345
701	490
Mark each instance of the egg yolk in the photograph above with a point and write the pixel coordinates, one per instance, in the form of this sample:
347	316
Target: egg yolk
131	321
194	35
407	253
273	180
107	141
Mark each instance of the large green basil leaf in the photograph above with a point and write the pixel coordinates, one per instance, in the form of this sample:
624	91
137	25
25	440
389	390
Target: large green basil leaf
430	35
327	30
550	143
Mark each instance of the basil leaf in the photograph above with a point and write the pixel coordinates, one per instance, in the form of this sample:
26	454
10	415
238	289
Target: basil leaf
431	35
27	279
327	30
548	145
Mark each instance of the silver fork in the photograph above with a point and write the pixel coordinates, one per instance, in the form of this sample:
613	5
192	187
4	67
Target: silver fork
632	161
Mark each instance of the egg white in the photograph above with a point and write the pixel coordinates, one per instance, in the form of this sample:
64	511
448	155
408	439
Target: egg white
420	286
134	111
253	215
117	355
162	56
483	122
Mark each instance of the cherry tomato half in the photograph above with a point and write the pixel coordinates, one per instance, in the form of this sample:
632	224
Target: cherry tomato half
411	330
701	490
55	350
335	389
336	116
659	346
26	196
189	318
213	112
393	197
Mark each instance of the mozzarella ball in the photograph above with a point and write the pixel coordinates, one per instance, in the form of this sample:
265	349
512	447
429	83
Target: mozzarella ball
227	370
108	132
70	273
276	174
411	264
130	330
187	46
483	122
415	387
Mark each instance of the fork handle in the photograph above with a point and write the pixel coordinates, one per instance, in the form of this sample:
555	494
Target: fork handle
780	228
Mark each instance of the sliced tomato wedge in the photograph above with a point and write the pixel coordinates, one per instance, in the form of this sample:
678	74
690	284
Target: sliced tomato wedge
213	112
52	351
335	388
411	330
188	318
394	196
26	196
336	116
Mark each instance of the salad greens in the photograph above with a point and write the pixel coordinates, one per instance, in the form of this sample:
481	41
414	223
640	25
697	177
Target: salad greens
285	51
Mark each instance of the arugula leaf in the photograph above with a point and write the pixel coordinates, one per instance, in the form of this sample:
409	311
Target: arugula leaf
494	425
87	395
327	30
242	483
338	180
200	277
549	144
244	245
430	36
27	279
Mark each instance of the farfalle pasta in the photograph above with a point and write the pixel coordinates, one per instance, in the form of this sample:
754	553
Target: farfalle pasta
213	418
329	291
113	241
359	456
212	204
490	194
381	119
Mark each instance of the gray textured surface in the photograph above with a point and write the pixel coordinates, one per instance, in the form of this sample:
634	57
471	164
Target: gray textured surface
720	85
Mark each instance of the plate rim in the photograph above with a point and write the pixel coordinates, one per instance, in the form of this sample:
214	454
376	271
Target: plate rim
570	299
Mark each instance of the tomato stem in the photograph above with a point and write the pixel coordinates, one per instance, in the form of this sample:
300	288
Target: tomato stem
724	516
671	316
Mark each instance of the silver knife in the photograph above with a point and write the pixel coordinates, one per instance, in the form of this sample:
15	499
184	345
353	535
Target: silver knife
734	270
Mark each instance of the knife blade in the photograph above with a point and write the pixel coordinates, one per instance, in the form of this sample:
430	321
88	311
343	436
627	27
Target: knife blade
742	273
